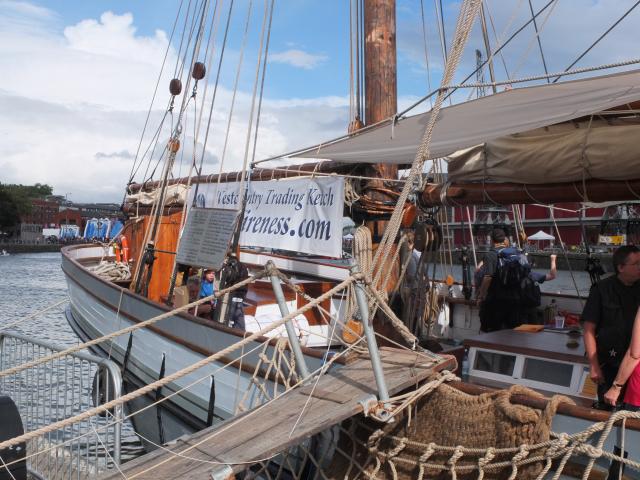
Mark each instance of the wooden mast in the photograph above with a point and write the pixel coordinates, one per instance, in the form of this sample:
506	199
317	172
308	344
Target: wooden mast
381	98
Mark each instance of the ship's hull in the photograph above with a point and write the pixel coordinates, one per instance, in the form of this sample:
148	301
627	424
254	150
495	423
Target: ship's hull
98	308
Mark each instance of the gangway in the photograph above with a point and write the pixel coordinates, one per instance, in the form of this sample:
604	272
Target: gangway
229	448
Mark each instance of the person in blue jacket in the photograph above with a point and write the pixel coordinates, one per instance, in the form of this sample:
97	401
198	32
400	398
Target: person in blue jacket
207	288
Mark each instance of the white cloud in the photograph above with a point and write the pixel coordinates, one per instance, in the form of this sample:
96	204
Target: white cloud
21	15
74	98
102	63
298	58
115	36
73	102
65	98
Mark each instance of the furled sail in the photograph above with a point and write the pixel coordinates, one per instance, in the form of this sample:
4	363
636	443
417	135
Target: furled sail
606	150
479	121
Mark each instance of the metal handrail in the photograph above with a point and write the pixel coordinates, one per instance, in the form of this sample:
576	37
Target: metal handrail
81	355
59	387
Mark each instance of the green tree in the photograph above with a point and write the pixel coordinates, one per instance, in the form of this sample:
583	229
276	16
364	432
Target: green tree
15	201
9	216
22	194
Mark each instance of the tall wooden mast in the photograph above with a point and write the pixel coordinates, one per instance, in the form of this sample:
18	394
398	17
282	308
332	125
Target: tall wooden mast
380	79
381	98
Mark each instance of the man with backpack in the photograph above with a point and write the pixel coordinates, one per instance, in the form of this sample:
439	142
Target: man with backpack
504	285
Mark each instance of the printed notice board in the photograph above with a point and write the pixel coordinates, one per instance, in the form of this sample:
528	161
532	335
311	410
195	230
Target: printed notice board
206	237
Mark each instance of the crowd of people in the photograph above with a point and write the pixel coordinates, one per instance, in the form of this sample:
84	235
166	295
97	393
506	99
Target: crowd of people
507	292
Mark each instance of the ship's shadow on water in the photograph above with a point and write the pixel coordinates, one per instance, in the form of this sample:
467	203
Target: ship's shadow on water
29	283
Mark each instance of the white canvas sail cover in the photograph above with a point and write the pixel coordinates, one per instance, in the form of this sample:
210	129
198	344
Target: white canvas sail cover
561	153
477	122
175	195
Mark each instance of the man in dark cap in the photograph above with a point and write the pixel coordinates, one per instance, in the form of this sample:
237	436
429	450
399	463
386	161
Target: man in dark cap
499	298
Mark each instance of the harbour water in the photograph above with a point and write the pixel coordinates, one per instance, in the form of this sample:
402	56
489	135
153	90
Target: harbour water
30	282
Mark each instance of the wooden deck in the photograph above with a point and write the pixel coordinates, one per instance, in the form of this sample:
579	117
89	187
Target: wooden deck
253	436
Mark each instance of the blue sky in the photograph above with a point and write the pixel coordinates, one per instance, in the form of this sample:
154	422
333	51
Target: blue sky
320	28
78	77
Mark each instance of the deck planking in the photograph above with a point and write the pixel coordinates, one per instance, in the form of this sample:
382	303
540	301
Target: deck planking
254	436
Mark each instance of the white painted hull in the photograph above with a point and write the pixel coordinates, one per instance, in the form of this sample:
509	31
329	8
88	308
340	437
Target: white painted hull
182	339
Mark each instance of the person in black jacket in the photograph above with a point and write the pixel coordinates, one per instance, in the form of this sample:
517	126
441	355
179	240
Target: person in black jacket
234	271
500	299
608	318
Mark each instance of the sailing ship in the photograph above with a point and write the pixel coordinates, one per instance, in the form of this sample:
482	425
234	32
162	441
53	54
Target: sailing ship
584	130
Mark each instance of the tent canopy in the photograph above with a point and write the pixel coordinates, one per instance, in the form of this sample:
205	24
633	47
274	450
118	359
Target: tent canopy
472	123
540	235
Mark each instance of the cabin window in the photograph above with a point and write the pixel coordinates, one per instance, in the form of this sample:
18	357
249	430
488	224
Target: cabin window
547	372
495	362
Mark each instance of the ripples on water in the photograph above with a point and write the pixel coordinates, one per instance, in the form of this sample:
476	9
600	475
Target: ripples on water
31	282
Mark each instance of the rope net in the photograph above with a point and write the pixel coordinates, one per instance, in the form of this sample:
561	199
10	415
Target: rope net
447	433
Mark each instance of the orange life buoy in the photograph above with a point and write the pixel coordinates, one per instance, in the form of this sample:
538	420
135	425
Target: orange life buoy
125	248
116	250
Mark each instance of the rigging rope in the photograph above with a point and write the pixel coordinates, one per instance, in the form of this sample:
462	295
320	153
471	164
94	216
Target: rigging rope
566	258
153	404
235	89
504	31
601	37
265	20
264	75
535	26
155	91
426	48
468	13
526	52
168	378
215	92
132	328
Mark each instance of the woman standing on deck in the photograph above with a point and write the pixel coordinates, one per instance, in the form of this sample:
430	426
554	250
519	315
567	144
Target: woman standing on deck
628	373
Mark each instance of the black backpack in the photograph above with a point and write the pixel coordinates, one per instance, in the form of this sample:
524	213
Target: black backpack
530	295
512	268
235	271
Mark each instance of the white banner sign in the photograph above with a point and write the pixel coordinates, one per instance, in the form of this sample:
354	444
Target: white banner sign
301	215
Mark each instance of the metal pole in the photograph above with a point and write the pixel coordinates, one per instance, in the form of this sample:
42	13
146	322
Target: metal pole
378	372
291	332
487	46
473	242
